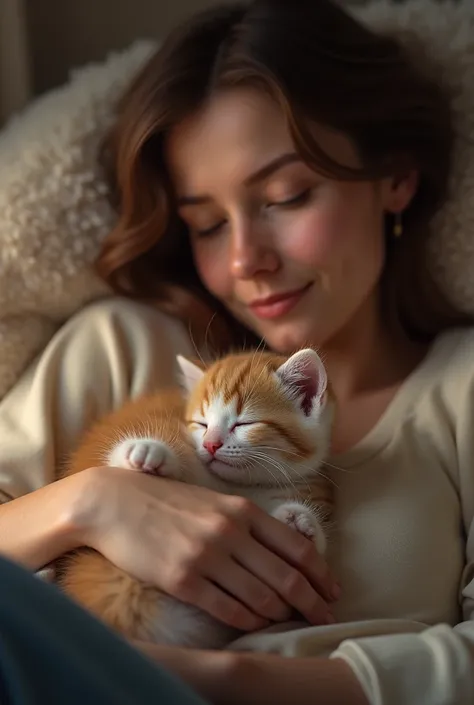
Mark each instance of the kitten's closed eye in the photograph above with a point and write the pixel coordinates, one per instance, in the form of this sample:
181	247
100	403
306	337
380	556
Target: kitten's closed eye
244	423
233	427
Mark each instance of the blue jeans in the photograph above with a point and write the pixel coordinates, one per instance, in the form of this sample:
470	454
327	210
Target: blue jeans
54	653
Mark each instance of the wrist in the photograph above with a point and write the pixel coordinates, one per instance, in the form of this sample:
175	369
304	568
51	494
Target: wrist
80	517
58	520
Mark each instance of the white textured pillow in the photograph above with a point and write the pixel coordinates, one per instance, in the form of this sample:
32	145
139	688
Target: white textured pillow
53	206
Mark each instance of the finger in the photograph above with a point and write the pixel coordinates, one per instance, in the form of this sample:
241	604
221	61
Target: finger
250	590
287	581
225	608
296	550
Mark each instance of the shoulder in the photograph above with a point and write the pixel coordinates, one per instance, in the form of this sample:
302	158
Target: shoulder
449	406
446	376
456	338
123	311
120	344
452	353
434	410
120	321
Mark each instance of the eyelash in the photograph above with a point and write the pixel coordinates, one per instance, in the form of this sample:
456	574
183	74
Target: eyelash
236	425
242	423
298	200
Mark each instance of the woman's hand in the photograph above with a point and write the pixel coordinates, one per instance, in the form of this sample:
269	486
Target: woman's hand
218	552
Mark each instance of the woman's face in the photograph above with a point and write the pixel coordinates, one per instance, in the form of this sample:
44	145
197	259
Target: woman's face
293	255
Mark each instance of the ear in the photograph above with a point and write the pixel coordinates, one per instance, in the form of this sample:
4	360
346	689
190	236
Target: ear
191	374
398	191
305	377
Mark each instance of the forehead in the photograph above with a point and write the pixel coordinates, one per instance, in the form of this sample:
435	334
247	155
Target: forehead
231	135
236	133
240	383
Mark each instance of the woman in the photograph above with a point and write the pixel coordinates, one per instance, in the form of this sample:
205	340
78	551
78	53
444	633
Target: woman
277	164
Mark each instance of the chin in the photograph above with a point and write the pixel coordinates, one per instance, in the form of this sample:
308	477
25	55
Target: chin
285	336
286	339
229	473
240	476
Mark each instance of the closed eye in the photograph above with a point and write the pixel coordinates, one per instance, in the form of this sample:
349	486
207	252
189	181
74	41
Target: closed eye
299	199
242	423
197	423
213	230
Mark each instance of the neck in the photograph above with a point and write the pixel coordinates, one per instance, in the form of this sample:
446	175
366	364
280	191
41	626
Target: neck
369	355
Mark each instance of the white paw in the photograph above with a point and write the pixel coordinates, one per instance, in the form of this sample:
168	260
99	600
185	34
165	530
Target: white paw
300	518
145	455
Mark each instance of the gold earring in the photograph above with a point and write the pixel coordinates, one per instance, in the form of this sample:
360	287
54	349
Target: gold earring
398	225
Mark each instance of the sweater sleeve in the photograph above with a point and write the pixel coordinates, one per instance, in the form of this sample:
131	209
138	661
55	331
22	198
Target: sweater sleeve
110	351
434	666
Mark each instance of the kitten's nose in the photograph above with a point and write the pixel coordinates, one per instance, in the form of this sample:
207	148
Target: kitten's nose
212	446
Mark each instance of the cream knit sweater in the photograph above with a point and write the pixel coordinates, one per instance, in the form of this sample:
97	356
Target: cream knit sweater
403	546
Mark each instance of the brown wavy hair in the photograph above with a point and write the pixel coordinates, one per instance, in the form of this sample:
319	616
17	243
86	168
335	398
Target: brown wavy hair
321	66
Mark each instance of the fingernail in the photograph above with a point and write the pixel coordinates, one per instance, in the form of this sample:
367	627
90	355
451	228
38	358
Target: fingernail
330	618
336	591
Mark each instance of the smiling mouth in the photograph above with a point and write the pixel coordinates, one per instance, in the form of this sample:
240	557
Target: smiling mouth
280	304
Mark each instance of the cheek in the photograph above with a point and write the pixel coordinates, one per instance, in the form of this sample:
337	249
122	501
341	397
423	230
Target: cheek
315	238
209	258
239	438
263	435
339	228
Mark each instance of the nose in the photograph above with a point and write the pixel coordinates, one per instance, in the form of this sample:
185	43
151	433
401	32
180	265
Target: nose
212	446
252	250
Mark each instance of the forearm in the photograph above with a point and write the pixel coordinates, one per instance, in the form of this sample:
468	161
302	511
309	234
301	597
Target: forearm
264	678
226	678
38	527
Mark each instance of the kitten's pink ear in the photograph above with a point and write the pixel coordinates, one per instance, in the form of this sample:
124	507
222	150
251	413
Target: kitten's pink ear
304	375
191	374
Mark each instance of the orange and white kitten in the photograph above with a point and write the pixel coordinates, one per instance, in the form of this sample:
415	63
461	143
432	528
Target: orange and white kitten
253	424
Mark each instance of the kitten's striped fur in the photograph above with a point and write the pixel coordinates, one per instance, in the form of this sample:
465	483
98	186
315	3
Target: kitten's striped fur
266	419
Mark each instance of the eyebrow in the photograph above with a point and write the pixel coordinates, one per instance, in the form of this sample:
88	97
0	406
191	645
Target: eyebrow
260	175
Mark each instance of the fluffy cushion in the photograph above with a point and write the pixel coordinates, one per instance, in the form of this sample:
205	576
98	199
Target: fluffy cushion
440	37
53	206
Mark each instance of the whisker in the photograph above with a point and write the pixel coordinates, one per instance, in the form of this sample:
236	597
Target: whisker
246	392
193	342
278	481
206	337
328	478
276	464
314	471
259	457
334	467
247	466
282	450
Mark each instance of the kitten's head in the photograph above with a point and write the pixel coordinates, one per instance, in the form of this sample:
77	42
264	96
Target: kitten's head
259	418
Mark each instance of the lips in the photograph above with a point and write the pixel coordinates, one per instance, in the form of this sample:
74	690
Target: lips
278	304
